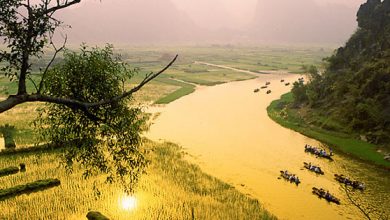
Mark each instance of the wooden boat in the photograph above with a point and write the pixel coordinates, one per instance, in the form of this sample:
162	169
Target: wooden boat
319	152
326	195
267	83
282	80
315	169
292	178
287	84
269	91
264	87
256	90
355	184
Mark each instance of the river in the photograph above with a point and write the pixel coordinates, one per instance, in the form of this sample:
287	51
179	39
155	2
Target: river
228	132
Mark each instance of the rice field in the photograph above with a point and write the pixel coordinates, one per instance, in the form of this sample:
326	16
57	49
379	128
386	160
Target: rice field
171	189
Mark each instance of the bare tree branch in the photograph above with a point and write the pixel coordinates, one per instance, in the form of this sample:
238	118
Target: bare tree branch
33	82
51	61
60	6
147	79
15	100
355	203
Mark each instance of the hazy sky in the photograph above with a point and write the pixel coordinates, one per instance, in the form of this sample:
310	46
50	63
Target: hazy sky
236	13
133	21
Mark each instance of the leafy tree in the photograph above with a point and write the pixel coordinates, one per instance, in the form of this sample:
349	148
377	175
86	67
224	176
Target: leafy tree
87	108
110	142
299	93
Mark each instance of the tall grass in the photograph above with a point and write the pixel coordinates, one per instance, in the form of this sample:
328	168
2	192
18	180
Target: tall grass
172	189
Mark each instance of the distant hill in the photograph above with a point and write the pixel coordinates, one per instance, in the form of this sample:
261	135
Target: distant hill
303	21
354	90
128	21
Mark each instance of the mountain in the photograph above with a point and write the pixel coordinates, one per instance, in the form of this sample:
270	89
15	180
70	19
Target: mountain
303	21
128	21
354	90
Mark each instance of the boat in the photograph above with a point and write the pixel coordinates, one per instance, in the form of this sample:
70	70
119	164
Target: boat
256	90
292	178
269	91
355	184
326	195
319	152
315	169
287	84
282	80
267	83
264	87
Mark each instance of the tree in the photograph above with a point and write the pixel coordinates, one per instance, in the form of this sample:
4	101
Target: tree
107	138
299	93
87	106
26	29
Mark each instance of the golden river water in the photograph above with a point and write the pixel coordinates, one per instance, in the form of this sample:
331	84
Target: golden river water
228	132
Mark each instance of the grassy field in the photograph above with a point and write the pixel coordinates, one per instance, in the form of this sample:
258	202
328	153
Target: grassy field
172	189
149	59
345	143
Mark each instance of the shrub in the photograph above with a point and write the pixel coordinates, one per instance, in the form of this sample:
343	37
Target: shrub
36	186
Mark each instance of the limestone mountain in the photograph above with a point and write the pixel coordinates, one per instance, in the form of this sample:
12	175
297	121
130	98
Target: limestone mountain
354	90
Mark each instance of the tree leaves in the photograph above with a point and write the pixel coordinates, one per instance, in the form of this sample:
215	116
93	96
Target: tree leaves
109	145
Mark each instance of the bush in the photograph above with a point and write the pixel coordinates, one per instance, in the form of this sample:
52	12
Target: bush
8	132
8	171
94	215
28	188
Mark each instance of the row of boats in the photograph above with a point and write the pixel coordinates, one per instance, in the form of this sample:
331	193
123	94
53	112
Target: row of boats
266	86
320	192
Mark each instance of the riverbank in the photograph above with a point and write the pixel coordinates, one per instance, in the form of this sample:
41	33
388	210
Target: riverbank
290	118
171	189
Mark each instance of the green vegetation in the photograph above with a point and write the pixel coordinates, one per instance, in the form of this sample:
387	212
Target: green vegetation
36	186
94	215
185	89
171	189
298	119
352	95
103	138
8	132
8	171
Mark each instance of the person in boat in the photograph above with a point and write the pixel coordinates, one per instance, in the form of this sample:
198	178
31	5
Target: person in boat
328	195
347	181
357	184
317	170
297	180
